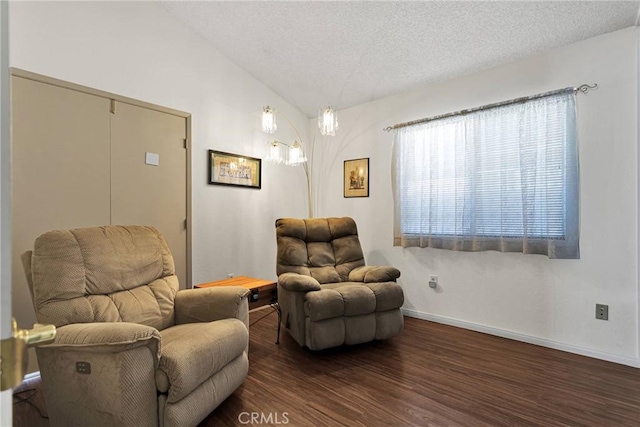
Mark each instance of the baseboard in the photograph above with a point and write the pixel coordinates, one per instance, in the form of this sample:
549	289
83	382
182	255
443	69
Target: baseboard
629	361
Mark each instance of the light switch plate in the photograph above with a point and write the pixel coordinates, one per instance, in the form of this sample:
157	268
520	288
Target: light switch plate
152	159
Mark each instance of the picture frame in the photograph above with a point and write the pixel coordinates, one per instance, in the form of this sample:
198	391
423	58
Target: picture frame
235	170
356	178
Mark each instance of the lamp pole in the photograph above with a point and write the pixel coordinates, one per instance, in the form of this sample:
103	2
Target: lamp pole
308	165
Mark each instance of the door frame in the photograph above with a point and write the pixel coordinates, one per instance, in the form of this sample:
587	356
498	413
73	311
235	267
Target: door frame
17	72
6	407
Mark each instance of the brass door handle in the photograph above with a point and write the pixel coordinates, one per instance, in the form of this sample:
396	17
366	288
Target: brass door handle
13	351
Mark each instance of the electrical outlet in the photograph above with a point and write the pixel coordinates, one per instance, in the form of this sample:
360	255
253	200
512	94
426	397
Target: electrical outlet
433	281
602	312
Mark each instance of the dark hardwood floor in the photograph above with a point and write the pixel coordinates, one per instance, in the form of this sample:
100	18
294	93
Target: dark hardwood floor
431	375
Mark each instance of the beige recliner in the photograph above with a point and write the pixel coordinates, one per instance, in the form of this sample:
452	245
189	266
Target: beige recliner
131	349
327	295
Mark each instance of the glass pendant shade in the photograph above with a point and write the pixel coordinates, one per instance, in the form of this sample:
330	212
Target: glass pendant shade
269	120
328	121
296	155
277	152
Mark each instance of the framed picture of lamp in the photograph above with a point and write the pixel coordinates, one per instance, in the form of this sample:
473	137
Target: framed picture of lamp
233	169
356	178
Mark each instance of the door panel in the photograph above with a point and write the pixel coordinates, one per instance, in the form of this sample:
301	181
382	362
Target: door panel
145	194
60	175
6	400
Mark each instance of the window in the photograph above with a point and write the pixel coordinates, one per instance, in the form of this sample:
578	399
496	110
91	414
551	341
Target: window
499	178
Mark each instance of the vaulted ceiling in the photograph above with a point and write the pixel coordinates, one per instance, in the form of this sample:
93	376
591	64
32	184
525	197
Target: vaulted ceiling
317	53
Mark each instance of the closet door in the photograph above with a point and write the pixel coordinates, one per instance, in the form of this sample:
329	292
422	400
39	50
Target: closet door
60	168
148	194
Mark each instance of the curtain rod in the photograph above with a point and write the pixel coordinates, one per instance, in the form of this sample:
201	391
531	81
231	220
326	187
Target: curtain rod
583	88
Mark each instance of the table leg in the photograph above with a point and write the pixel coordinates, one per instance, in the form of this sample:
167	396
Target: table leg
276	306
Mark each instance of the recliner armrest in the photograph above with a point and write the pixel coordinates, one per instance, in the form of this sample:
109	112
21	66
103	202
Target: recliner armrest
210	304
374	274
106	337
298	283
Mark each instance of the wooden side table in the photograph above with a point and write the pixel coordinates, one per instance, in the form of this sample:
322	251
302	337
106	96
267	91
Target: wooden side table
263	292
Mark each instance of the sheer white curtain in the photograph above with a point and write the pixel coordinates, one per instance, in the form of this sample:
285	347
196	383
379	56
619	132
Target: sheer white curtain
504	178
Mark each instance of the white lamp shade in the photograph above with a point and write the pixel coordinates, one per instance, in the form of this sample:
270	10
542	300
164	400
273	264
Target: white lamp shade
296	154
277	152
269	120
328	121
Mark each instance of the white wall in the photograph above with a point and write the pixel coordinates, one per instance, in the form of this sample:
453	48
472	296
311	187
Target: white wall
638	200
527	297
136	49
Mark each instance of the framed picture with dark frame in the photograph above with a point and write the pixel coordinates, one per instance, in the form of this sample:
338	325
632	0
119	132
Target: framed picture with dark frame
233	169
356	178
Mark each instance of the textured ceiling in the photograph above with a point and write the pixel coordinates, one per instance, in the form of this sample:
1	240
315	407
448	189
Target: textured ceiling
347	53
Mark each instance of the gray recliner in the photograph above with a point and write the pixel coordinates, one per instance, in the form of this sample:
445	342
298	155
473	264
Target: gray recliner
327	295
131	349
